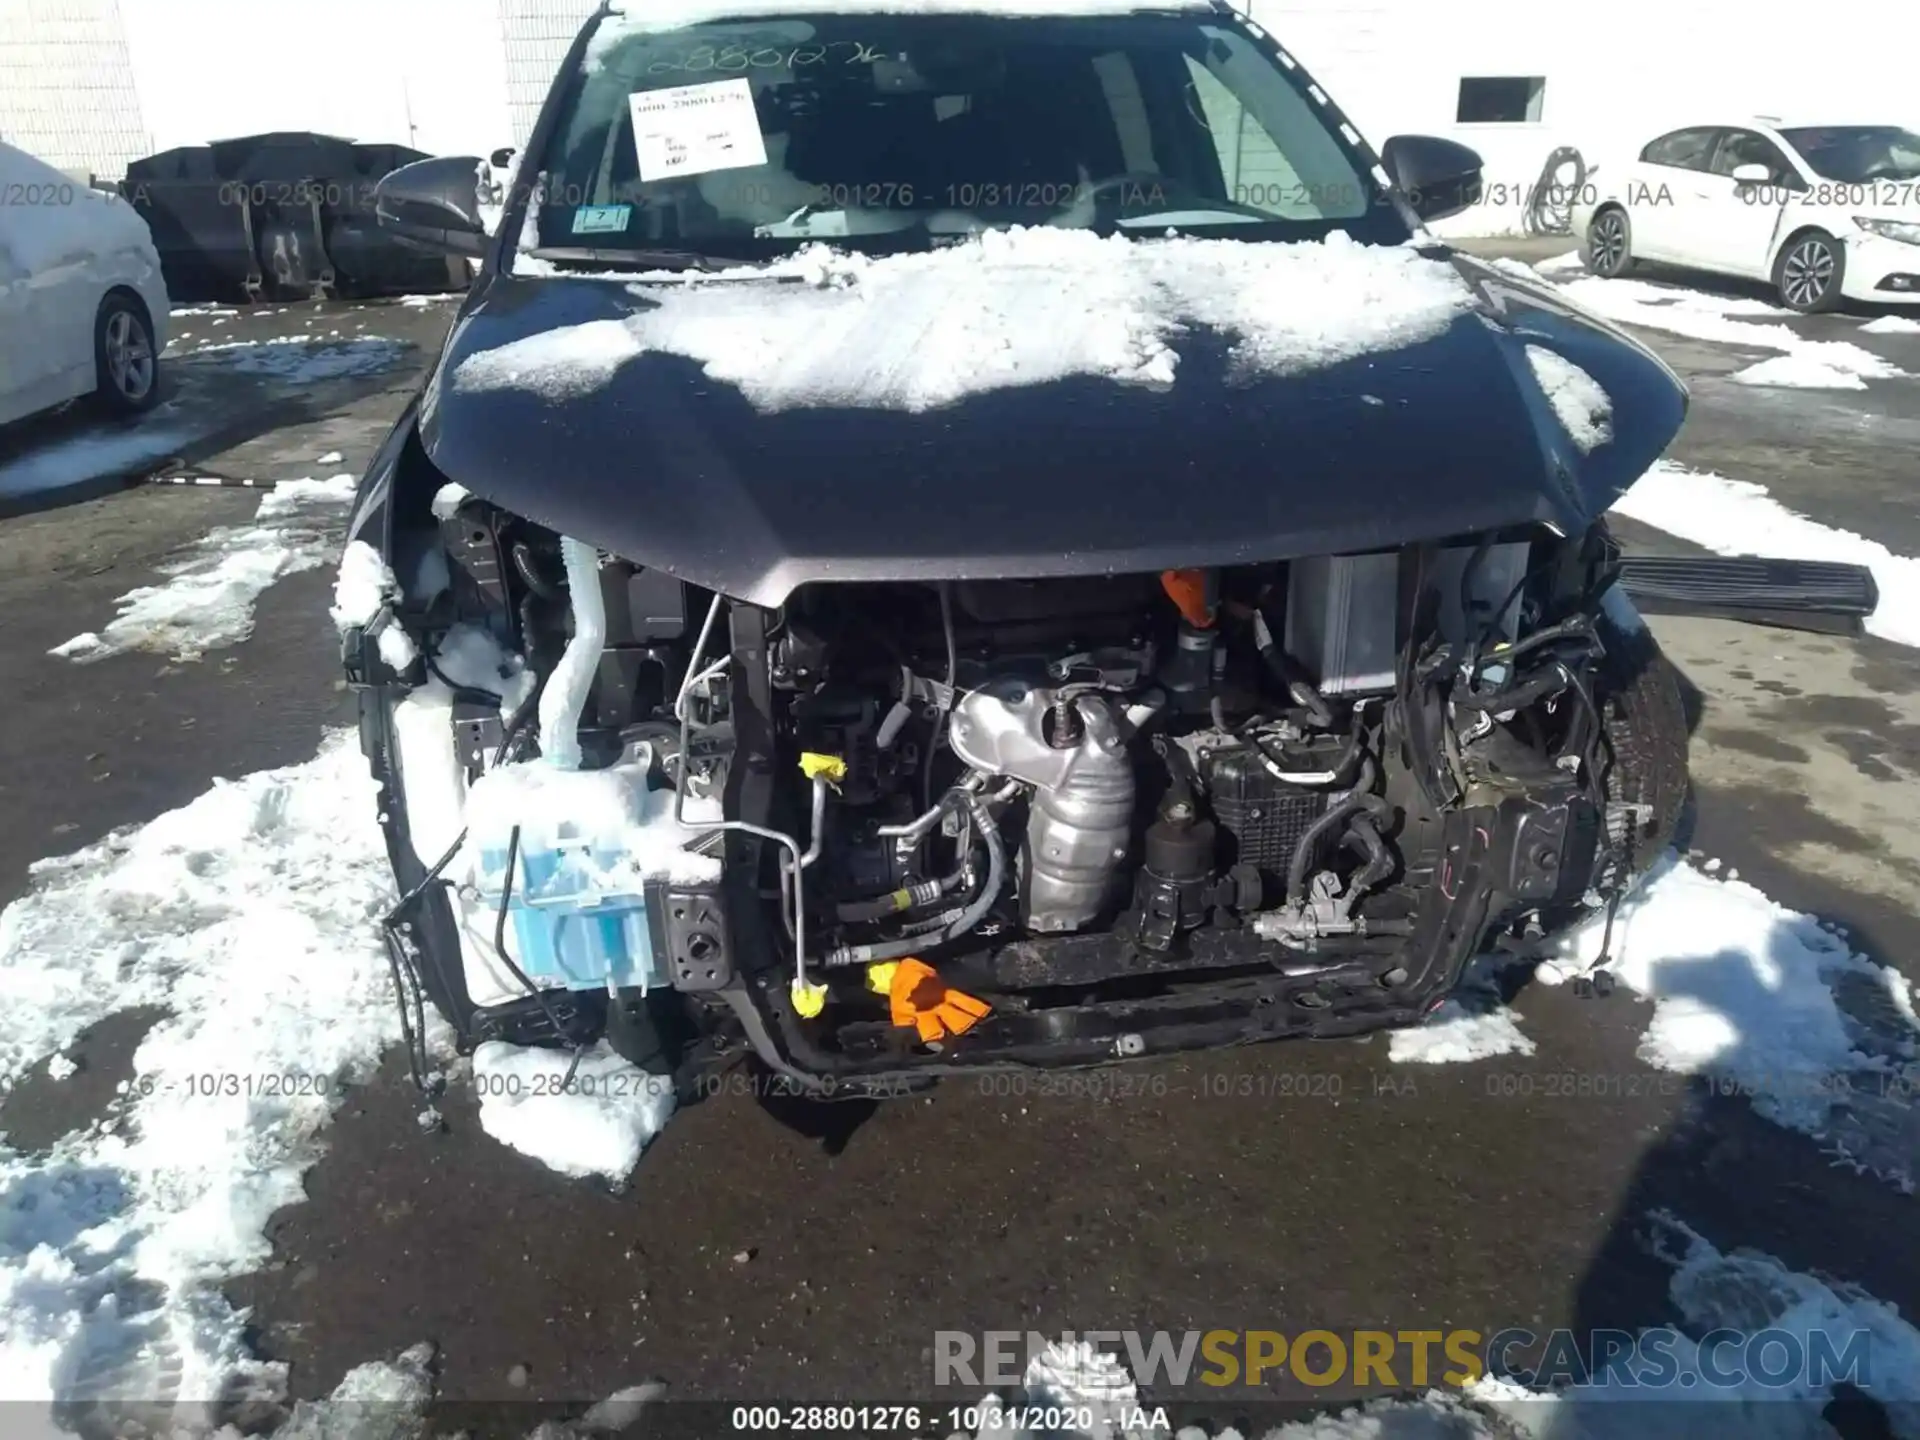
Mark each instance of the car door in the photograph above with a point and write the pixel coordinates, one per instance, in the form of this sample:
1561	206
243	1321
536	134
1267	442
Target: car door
1663	190
1731	226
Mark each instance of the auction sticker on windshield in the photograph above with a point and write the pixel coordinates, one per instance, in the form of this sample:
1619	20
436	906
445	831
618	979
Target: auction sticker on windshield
694	129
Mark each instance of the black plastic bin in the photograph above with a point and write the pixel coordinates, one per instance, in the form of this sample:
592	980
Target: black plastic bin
283	216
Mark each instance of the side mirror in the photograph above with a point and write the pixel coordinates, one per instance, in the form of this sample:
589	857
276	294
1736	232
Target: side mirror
1439	177
502	157
434	205
1752	175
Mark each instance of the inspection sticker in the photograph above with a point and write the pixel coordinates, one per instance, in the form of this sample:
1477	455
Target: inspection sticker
693	129
601	219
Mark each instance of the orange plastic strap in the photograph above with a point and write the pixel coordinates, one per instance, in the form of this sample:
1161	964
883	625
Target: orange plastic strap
920	999
1188	590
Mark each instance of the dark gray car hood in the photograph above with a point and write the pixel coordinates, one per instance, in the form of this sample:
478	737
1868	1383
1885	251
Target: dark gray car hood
739	486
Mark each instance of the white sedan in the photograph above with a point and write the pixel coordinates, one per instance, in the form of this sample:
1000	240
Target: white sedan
83	307
1823	212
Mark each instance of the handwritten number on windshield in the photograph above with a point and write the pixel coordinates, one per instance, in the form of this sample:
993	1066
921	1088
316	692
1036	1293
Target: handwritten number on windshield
733	59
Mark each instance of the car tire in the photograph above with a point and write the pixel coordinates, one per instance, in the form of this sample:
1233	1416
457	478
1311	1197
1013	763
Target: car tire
126	363
1645	715
1808	272
1607	250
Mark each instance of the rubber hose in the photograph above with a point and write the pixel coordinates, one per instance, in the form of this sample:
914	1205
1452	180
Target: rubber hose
1547	212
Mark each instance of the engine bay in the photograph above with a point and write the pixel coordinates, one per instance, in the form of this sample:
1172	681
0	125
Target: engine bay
941	817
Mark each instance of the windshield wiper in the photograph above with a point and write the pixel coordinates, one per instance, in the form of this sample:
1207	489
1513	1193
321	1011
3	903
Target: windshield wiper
629	259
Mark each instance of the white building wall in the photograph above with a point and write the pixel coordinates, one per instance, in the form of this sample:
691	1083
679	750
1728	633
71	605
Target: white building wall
66	85
537	34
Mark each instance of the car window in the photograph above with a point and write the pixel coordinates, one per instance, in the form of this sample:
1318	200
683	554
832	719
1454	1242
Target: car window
1749	147
1683	149
1858	153
879	130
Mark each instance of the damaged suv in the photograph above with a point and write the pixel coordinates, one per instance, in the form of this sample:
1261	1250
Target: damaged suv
989	536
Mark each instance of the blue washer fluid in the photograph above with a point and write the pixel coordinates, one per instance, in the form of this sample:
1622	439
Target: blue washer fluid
569	932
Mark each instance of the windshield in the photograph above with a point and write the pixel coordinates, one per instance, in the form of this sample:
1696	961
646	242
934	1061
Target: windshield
748	138
1854	153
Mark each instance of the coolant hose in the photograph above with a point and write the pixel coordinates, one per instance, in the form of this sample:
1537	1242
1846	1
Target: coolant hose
565	696
962	921
1334	821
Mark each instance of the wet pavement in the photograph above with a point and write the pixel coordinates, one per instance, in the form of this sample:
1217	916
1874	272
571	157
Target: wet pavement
767	1251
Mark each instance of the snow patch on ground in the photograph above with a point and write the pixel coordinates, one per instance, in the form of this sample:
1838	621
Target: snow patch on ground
1474	1023
1075	1377
1022	307
1456	1033
301	361
1741	1290
1892	325
1710	1290
1798	372
1577	398
207	600
248	917
1747	992
381	1400
1702	316
597	1123
1737	517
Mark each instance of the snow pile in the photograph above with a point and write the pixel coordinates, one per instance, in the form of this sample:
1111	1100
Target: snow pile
1077	1378
1798	372
364	587
208	597
248	917
301	361
381	1400
1683	1397
448	499
1021	307
1744	991
1891	325
1736	517
1746	1291
597	1123
1458	1032
1473	1023
1577	398
1702	316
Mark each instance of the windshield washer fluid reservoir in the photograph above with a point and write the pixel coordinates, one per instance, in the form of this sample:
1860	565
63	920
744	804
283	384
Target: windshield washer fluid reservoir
589	840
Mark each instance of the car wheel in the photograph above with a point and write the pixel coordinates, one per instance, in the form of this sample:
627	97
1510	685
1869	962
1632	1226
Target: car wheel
1809	271
1609	247
126	365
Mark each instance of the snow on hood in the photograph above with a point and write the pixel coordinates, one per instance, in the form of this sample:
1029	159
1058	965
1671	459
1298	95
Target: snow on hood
1019	307
1578	400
